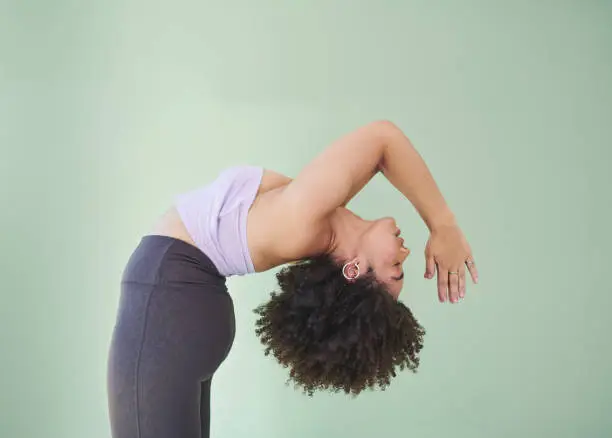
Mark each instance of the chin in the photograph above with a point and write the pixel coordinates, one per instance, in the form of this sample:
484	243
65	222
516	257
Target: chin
395	294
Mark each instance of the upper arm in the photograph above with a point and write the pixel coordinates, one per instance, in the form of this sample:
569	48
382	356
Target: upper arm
337	174
272	180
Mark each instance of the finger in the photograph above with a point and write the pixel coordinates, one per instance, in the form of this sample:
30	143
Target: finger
472	268
442	284
453	289
461	282
430	267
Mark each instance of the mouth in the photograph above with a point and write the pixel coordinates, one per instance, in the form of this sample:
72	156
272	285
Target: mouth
401	239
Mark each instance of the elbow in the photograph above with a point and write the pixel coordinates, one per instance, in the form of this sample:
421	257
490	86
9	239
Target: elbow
385	123
385	132
384	126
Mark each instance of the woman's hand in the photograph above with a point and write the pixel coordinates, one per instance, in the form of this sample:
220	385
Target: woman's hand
448	252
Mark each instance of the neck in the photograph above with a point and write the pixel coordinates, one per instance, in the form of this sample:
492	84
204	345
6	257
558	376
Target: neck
347	229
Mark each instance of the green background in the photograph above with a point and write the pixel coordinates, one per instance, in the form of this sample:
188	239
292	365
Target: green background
108	109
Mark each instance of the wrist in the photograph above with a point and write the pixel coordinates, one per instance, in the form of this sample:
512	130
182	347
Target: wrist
442	220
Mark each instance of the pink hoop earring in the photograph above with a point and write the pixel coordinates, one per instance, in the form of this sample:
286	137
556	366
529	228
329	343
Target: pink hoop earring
351	271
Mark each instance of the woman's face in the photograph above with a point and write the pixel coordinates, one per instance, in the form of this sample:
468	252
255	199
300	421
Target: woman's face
385	252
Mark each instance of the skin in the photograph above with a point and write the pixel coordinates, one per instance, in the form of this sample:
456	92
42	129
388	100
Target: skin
292	219
373	244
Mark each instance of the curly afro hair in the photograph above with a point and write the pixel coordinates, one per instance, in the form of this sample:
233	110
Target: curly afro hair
337	335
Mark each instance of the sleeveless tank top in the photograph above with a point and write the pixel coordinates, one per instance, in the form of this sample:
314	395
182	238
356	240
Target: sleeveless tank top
215	217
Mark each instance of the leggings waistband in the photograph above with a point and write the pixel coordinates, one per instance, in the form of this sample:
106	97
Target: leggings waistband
164	260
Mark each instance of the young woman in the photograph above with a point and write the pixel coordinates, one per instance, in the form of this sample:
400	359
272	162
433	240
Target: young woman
336	321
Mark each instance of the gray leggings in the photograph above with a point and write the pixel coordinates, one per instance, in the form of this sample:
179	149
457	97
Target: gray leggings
175	326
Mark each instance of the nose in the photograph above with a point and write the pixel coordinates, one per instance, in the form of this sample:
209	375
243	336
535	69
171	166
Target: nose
404	253
389	220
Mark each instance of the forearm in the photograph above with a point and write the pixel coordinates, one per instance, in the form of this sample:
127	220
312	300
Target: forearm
406	170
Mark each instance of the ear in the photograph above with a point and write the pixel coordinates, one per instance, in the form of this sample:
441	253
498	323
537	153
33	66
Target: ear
351	270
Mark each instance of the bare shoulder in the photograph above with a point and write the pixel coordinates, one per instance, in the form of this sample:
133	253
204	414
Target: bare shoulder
275	235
